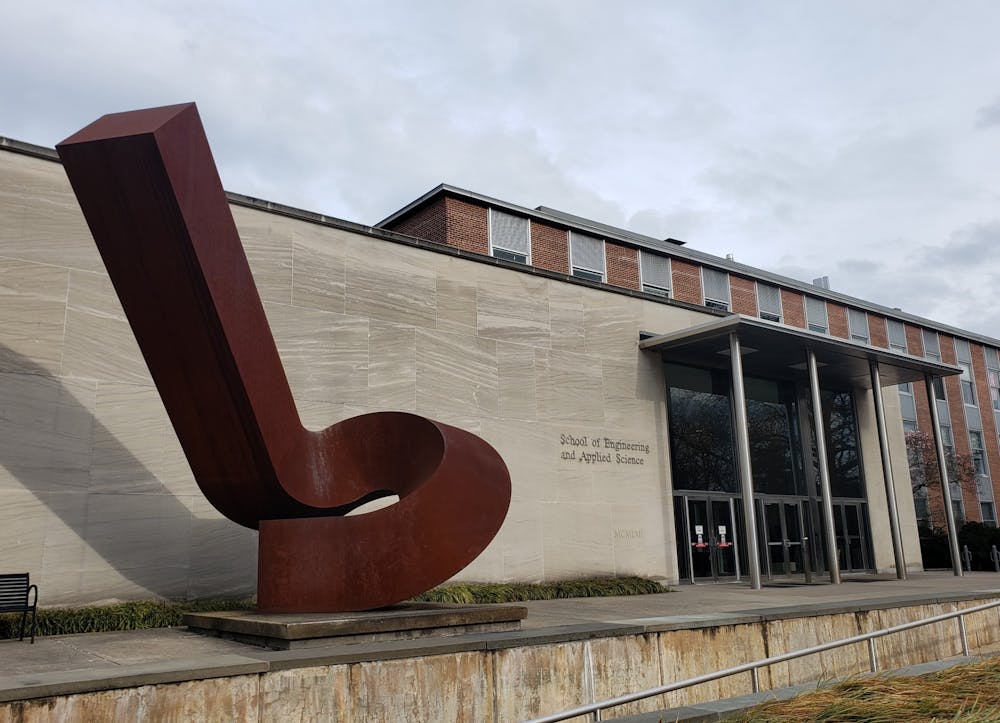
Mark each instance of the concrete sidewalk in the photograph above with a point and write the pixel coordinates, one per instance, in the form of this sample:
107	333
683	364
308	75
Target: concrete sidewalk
75	663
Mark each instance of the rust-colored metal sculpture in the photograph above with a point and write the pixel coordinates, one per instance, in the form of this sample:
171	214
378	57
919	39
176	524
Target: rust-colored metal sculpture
150	191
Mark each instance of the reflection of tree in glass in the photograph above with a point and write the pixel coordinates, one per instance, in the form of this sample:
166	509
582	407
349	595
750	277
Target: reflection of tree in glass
701	441
770	447
845	471
841	445
921	450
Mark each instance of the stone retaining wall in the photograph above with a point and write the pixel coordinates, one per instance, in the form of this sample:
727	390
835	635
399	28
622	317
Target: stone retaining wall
498	683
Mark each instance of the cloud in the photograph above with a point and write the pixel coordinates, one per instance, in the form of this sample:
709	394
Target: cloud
971	247
989	115
751	131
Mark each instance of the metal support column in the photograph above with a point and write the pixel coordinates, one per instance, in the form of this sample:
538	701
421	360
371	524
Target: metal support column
890	488
829	531
743	457
949	511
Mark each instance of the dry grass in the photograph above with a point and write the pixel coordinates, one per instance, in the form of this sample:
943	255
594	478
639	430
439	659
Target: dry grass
964	693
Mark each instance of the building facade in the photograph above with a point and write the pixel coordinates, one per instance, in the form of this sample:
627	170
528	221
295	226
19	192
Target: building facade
598	363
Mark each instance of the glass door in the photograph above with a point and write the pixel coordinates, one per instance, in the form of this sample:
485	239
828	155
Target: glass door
707	548
698	539
850	521
782	527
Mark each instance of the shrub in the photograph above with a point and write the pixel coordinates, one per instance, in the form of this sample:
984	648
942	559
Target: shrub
472	593
934	548
122	616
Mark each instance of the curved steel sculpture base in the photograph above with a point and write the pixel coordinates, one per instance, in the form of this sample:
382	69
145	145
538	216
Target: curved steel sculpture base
151	194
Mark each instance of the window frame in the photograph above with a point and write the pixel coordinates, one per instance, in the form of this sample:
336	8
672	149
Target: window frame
813	325
991	519
993	380
710	301
584	272
865	338
760	313
967	384
905	347
510	253
940	393
656	289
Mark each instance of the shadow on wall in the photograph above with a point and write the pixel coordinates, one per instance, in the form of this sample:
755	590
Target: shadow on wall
89	519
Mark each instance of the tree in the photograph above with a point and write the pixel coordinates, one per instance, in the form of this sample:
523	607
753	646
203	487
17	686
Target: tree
924	475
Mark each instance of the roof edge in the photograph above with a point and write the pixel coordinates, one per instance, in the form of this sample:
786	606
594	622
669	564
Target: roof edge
672	247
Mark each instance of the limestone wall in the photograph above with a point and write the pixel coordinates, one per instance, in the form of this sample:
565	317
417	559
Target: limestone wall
97	500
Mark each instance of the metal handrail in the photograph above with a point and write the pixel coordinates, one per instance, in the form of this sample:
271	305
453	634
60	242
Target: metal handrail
752	668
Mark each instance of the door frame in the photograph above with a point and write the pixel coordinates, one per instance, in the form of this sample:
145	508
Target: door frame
685	498
802	506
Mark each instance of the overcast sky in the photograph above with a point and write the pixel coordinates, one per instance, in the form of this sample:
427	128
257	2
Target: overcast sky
858	140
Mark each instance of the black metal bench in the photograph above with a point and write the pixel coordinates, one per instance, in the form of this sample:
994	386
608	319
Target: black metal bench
15	589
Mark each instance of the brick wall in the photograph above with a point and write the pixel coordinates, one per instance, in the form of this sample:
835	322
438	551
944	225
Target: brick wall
744	295
914	340
428	223
959	430
549	247
687	281
878	330
793	308
622	265
836	316
990	440
468	226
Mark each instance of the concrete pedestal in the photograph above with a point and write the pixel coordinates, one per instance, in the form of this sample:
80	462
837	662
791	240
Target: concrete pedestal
288	631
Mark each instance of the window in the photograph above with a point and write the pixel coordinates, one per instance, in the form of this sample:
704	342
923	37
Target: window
947	440
964	355
993	376
932	351
938	384
976	445
920	505
897	335
586	256
510	237
816	315
716	288
700	429
968	390
989	513
957	505
842	450
654	270
858	322
984	488
897	342
907	407
769	302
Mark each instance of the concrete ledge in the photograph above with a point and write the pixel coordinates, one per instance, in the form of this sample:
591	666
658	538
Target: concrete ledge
667	623
88	680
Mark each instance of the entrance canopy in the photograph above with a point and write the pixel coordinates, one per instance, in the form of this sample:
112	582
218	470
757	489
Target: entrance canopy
755	347
774	350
